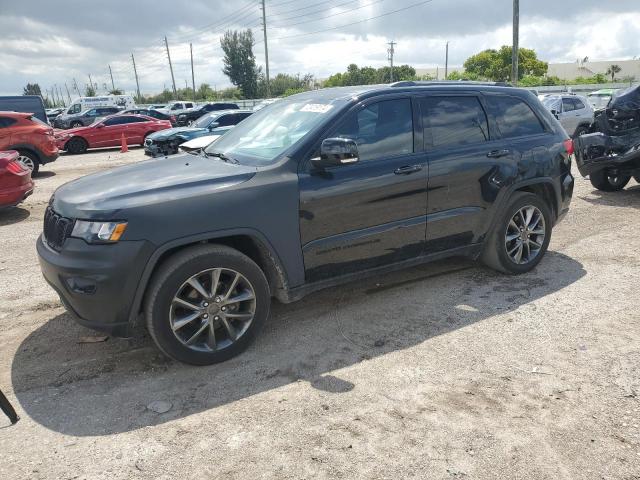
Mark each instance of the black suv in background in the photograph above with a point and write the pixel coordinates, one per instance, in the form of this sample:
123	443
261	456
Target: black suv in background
84	118
188	116
150	112
318	189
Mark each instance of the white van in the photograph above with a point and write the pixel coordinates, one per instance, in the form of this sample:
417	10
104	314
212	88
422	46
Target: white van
85	103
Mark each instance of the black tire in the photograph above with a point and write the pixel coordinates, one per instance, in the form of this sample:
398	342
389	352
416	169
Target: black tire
606	182
495	253
75	124
76	145
171	277
581	130
29	160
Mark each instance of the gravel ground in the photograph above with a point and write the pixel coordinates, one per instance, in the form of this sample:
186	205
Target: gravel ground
444	371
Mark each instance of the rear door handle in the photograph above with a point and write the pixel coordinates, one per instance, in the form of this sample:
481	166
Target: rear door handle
407	169
498	153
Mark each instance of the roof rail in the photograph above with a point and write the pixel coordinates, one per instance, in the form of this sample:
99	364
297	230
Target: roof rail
417	83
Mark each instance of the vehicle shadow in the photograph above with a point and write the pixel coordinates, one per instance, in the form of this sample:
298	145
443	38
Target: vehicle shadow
95	151
629	197
44	174
9	216
104	388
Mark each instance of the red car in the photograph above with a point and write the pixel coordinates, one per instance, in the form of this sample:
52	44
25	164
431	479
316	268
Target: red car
108	132
33	139
15	179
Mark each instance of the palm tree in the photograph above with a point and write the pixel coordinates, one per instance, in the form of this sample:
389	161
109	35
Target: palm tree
612	70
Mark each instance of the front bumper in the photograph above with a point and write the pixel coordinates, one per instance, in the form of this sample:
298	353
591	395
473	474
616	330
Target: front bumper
96	283
598	151
159	149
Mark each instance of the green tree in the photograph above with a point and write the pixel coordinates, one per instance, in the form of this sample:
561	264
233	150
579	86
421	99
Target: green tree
612	70
240	62
32	89
90	91
496	64
116	91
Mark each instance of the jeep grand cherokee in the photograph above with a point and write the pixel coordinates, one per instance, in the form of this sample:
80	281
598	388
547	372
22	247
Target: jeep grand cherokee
317	189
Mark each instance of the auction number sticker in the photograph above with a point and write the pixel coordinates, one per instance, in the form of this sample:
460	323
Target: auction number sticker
316	108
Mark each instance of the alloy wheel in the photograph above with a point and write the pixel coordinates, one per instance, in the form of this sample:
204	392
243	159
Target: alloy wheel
525	235
26	161
212	309
616	180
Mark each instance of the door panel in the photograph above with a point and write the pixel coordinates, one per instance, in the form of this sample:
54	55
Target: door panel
371	213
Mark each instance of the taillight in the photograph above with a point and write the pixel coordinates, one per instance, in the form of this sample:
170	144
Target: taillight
568	145
16	167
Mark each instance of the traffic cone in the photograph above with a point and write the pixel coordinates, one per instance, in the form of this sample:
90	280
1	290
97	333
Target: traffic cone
123	144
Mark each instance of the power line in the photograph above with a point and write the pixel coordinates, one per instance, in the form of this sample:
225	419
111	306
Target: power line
356	23
313	5
331	15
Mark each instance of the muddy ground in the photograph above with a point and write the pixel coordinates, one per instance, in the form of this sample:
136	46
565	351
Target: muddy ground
444	371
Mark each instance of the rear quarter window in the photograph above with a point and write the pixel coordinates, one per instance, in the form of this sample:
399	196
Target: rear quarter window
514	117
7	122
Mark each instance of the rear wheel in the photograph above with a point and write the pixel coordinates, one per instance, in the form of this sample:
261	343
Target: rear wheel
206	304
29	160
76	145
521	235
581	130
609	181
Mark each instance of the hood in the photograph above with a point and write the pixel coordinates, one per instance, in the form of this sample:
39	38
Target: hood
187	132
106	195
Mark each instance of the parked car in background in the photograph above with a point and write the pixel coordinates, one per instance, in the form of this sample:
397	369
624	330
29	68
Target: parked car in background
610	155
85	103
158	106
168	141
84	118
174	108
573	111
601	98
52	113
24	103
32	138
319	189
199	143
108	133
15	180
150	112
187	117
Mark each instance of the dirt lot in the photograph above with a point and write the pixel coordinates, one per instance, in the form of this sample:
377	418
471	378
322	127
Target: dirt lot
443	371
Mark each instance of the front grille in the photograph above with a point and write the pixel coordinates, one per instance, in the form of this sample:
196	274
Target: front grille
56	228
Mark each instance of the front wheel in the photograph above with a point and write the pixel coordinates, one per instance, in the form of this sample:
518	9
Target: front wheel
609	182
76	145
581	130
206	304
521	235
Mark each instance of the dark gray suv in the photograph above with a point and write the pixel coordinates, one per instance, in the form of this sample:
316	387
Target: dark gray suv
82	119
315	190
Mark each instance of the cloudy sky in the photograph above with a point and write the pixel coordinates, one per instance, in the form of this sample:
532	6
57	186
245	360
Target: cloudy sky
53	42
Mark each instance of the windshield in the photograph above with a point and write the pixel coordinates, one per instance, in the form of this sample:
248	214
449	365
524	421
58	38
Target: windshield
551	103
266	134
203	122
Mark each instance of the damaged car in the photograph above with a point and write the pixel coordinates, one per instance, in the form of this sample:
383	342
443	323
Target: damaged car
610	156
167	142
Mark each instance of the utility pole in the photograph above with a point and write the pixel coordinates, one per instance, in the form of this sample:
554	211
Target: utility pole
68	94
516	38
136	74
173	79
446	61
193	77
266	46
391	51
113	85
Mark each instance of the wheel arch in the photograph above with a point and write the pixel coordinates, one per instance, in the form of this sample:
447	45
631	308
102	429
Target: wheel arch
247	241
73	138
25	147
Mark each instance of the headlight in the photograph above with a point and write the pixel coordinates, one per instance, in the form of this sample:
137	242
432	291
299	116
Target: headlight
98	232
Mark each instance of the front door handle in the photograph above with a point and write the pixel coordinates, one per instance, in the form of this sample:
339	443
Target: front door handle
498	153
407	169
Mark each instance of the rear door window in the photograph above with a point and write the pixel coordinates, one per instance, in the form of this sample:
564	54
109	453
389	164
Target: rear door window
382	129
579	105
568	105
7	122
119	120
453	121
513	116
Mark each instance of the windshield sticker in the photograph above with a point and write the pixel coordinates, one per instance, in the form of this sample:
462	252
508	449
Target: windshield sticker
316	108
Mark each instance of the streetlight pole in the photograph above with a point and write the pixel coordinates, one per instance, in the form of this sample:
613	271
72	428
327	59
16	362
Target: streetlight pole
516	38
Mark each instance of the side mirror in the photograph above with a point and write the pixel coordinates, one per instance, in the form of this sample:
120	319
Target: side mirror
336	151
213	125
